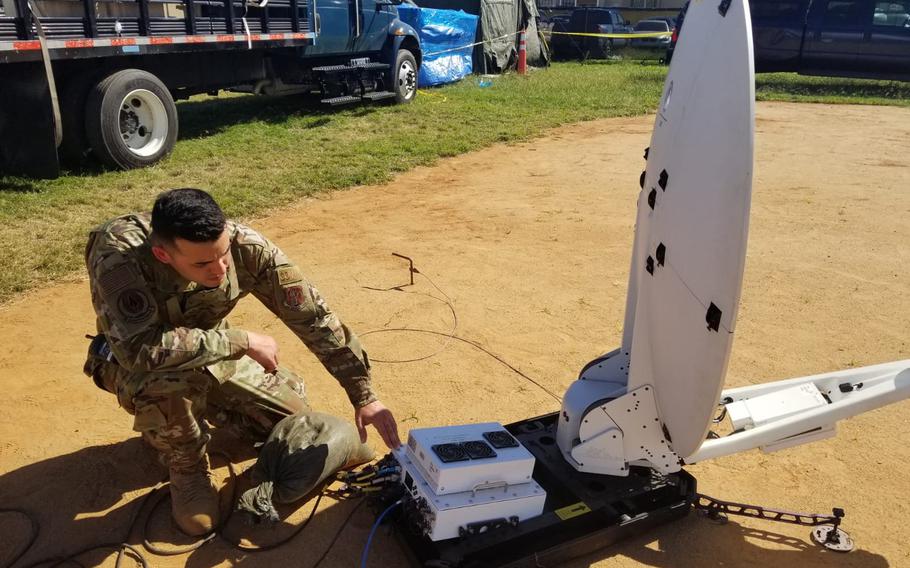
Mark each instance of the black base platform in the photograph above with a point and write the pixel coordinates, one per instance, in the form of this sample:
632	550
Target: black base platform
583	512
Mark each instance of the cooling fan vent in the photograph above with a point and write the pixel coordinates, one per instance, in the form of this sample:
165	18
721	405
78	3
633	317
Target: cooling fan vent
501	439
450	452
478	450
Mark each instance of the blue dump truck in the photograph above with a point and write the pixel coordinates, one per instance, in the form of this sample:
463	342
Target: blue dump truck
99	78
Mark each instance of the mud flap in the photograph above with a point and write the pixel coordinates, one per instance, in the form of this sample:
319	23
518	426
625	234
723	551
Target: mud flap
28	144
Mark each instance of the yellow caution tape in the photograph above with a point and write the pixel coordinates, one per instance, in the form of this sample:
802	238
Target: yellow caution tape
571	511
617	36
429	94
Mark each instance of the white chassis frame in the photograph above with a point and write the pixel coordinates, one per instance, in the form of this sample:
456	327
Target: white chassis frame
624	428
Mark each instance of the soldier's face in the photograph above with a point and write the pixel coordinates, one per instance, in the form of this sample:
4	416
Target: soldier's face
204	263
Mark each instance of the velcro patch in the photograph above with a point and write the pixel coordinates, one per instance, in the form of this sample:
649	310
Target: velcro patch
117	279
293	296
135	305
288	275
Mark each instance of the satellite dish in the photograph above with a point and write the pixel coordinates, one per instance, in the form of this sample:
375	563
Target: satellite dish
693	219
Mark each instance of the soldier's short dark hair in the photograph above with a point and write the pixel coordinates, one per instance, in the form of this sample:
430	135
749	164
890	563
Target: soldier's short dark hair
187	213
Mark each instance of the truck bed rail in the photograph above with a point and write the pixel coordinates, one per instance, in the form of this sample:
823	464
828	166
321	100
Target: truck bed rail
93	28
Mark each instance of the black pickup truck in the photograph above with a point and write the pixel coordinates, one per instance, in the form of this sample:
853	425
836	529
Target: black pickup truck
588	20
847	38
850	38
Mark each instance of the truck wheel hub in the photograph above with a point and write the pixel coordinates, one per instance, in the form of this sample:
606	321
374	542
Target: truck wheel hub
143	122
407	79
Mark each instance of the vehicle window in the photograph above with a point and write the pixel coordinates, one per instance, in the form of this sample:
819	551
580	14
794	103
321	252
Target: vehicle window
775	9
651	27
843	13
894	14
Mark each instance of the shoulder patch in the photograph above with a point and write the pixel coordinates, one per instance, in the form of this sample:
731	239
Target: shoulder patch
288	275
117	279
135	305
294	297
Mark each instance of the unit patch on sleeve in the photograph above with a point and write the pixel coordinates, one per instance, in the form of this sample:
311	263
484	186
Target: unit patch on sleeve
293	296
288	274
135	305
117	279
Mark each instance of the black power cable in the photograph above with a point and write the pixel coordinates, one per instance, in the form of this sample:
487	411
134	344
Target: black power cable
338	533
157	496
160	496
121	547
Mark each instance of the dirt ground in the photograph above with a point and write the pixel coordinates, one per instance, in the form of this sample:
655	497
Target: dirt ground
532	244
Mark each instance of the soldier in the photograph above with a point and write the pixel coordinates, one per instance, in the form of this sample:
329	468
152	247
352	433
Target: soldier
161	288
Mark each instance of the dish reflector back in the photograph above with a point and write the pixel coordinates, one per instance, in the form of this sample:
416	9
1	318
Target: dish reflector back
693	219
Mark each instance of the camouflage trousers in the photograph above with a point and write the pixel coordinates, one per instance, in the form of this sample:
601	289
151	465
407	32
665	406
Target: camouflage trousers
172	408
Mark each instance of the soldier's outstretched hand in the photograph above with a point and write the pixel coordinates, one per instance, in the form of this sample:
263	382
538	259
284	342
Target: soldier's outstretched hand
381	418
264	350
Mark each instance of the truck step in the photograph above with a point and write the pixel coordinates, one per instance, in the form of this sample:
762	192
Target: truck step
379	96
342	100
330	69
373	66
368	97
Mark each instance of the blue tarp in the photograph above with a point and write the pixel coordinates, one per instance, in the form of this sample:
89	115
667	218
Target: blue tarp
442	31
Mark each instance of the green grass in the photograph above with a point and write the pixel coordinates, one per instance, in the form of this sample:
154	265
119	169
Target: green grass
256	154
799	88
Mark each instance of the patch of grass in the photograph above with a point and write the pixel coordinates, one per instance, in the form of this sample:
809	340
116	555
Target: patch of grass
256	154
259	153
800	88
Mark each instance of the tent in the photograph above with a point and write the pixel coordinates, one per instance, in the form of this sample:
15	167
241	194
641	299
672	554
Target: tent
500	22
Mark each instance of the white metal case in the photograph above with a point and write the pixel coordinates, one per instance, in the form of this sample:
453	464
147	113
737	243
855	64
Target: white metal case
508	464
446	516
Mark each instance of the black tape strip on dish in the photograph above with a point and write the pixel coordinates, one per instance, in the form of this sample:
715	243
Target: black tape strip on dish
713	317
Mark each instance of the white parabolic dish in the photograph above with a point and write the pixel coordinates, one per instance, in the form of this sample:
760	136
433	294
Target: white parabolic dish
692	225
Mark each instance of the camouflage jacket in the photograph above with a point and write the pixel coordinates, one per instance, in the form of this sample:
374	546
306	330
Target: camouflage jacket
155	320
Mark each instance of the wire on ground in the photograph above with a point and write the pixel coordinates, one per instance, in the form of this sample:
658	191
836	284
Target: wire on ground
450	336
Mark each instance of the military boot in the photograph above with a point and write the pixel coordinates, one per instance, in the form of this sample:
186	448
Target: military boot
194	499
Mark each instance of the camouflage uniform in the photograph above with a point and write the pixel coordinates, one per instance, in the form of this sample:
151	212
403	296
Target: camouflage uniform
173	360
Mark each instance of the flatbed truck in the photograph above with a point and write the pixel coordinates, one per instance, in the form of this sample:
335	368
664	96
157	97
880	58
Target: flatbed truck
83	79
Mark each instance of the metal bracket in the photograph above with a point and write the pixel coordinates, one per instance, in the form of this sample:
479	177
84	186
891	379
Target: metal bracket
625	430
827	532
411	269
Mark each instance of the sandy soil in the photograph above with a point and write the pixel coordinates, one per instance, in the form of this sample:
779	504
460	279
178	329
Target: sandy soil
532	243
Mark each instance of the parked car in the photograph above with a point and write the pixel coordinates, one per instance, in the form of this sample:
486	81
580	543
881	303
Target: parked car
651	26
588	20
671	20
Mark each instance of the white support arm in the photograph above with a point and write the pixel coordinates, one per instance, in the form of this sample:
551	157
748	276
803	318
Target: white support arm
845	394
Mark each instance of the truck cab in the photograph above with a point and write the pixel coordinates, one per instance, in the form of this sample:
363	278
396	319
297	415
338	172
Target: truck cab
351	26
852	38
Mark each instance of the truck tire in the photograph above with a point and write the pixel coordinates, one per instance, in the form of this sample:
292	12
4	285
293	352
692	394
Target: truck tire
404	83
130	119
